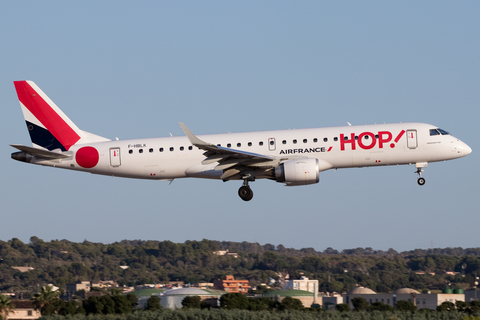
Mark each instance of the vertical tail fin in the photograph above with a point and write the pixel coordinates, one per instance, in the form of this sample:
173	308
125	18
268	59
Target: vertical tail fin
48	126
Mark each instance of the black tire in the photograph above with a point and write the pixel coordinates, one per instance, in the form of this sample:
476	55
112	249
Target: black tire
421	181
245	193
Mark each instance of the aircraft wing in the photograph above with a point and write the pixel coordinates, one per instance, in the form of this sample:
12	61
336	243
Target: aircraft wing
41	152
231	161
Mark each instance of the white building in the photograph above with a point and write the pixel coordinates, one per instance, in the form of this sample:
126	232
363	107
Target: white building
24	310
420	300
172	299
301	284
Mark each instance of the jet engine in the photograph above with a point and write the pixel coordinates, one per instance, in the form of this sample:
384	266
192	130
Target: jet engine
298	172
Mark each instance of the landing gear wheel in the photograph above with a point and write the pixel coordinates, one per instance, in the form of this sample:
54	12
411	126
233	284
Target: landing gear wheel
421	181
245	193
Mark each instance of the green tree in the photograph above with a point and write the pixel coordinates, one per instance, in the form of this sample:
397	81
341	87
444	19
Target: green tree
133	300
262	304
69	308
446	306
405	305
54	307
44	298
360	304
6	306
342	307
122	304
193	302
153	304
289	303
462	306
380	306
475	306
234	301
93	305
108	304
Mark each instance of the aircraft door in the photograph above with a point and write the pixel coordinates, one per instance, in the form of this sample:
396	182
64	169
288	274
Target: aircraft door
412	139
115	157
271	144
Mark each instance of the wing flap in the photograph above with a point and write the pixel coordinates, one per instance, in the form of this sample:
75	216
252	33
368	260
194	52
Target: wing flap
214	158
229	173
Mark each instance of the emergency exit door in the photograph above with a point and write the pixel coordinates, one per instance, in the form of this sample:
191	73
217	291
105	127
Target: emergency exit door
115	157
412	139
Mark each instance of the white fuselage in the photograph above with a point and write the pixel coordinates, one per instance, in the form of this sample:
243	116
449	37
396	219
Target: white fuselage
367	145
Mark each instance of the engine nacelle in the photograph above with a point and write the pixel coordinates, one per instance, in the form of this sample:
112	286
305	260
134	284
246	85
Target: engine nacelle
298	172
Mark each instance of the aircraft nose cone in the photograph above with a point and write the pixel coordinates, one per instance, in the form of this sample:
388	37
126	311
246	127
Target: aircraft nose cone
463	148
467	150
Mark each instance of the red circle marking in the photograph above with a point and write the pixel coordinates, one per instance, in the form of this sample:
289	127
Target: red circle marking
87	157
392	145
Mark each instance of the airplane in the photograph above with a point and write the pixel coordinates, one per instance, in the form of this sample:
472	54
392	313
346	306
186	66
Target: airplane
293	157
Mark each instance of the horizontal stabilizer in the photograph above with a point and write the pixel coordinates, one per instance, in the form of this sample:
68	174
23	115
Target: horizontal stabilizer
41	152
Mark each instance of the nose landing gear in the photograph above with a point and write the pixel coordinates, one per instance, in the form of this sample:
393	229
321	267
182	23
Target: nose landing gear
420	181
245	192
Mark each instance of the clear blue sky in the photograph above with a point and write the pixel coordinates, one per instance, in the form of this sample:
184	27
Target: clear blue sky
134	69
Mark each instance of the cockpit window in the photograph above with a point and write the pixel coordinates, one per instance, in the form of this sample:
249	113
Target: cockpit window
434	132
443	131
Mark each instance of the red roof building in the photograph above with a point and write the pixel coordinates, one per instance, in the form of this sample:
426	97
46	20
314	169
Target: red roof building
231	285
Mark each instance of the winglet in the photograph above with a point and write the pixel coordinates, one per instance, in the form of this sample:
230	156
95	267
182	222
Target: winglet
193	139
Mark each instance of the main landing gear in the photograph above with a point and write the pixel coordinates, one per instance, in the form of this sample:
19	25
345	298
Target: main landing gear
245	192
420	181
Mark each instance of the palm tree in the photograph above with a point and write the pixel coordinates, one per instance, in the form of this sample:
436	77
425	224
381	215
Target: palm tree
6	306
45	297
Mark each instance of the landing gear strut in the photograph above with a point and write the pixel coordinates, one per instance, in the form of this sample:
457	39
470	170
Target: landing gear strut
420	181
245	192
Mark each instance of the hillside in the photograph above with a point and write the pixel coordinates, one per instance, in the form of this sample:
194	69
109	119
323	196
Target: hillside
62	261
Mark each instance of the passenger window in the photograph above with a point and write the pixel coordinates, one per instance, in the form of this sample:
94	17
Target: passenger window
315	140
249	144
304	140
335	139
229	145
271	143
150	150
284	142
376	136
181	148
325	139
190	148
366	137
294	141
356	137
260	143
171	148
140	150
161	149
345	138
239	144
433	132
130	151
